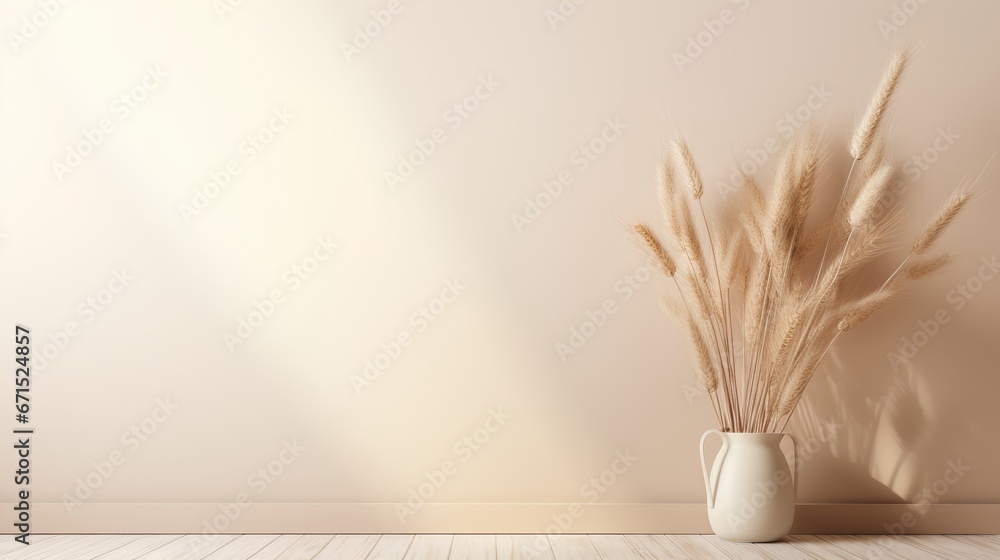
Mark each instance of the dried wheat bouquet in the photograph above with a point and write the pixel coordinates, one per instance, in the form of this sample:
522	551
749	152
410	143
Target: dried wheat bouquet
764	300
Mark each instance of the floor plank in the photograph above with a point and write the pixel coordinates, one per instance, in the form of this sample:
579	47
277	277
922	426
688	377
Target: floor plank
910	547
820	549
108	544
429	547
308	547
983	542
51	546
785	550
242	547
618	546
863	547
504	547
8	544
943	545
474	547
523	547
346	547
693	546
734	551
189	547
662	547
573	547
275	548
390	547
137	548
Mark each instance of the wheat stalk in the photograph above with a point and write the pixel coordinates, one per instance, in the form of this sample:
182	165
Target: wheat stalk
866	134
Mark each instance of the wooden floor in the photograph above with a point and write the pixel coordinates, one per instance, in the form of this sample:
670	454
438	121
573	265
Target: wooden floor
500	547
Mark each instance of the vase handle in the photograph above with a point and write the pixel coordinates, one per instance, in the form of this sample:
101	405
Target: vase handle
704	467
795	472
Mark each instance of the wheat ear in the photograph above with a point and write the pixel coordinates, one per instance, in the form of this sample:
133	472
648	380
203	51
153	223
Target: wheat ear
666	263
706	369
752	213
867	128
781	213
863	308
925	268
686	162
941	221
870	198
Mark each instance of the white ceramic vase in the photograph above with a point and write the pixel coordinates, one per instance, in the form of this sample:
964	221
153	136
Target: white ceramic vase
751	489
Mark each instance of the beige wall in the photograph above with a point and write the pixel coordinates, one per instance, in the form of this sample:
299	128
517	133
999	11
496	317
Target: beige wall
207	82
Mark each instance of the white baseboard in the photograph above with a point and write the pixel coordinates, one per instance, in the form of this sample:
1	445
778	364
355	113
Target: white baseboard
495	518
